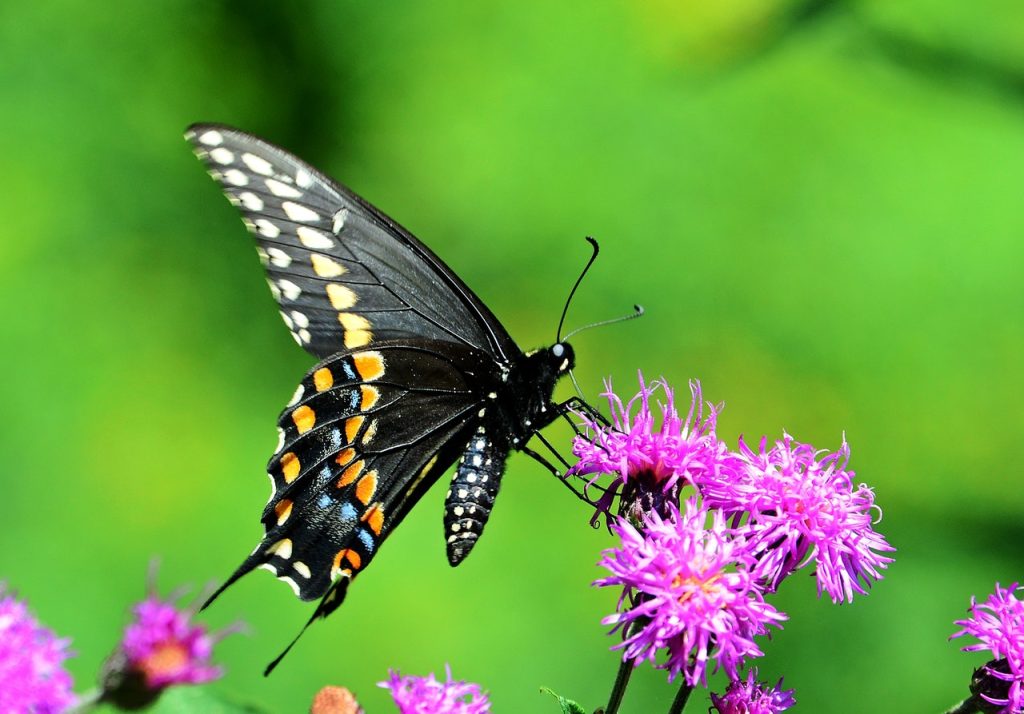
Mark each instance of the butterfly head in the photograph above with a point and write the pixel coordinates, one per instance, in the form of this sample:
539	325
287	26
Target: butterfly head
562	357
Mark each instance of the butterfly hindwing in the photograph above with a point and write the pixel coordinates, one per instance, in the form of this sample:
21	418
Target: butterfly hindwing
344	274
366	434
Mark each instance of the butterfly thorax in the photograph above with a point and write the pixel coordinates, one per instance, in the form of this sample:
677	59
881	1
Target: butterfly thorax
516	408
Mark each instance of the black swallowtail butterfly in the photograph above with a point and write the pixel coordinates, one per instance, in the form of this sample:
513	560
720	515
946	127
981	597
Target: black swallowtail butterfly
415	373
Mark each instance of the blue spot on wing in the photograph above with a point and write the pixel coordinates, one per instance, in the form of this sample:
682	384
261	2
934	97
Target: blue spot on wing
366	539
350	372
324	501
348	512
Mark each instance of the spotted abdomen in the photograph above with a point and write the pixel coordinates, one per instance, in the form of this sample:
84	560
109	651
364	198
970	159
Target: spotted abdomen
471	497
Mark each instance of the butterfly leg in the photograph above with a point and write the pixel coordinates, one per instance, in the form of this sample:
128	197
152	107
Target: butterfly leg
560	475
577	405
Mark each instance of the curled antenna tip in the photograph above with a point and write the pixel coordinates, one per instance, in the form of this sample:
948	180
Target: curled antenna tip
593	257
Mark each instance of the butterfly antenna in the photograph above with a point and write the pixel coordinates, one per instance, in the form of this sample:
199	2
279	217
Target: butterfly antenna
638	310
593	257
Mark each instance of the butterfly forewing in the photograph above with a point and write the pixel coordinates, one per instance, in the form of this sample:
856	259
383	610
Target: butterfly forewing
344	275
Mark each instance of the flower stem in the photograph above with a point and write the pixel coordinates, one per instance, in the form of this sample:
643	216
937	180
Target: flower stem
681	697
619	688
86	702
967	706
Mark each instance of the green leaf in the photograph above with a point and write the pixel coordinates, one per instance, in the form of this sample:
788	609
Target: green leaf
568	705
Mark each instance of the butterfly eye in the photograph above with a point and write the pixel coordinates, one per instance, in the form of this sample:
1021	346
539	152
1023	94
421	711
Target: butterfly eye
558	350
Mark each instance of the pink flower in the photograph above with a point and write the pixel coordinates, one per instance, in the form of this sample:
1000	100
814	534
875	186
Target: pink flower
161	647
650	461
167	647
32	674
689	595
801	507
426	695
753	697
998	624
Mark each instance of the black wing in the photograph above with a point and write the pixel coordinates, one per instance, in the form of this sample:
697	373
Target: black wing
367	433
344	274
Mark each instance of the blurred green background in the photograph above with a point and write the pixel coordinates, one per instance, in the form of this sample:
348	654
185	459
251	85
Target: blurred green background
817	202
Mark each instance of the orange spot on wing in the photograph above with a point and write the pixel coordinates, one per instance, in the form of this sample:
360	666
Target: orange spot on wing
374	517
370	397
283	509
345	456
350	474
323	379
290	467
366	487
347	554
304	418
369	365
352	426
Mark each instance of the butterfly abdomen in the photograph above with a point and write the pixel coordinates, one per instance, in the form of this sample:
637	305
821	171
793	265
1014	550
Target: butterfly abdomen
473	490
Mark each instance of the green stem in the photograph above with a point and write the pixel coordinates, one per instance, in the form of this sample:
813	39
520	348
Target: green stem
86	702
681	697
619	688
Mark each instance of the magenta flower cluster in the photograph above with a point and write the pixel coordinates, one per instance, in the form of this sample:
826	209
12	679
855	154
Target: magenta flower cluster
695	576
166	647
690	594
998	625
801	506
752	697
635	446
32	674
427	695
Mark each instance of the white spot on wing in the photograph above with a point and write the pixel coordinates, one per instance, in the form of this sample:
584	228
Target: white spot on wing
300	319
289	289
300	213
279	258
236	177
251	201
287	320
281	189
282	548
211	138
297	396
266	228
280	442
291	583
257	164
312	238
304	336
303	178
222	156
338	221
301	568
